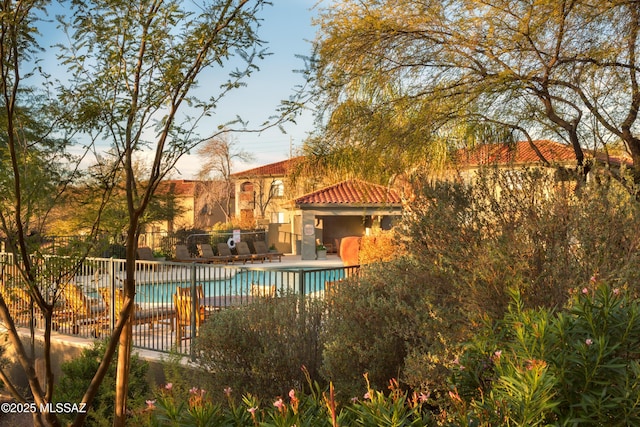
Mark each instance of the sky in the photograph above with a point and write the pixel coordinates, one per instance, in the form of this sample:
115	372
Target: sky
288	31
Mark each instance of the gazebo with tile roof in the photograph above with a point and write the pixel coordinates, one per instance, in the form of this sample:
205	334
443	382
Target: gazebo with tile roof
344	209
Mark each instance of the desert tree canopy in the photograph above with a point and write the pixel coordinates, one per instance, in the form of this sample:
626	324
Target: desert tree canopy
407	79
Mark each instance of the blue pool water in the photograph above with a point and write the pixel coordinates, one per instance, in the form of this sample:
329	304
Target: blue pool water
294	280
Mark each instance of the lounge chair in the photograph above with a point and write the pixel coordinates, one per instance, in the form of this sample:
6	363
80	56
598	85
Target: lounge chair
183	255
141	316
261	249
224	250
80	310
145	253
243	250
18	302
206	252
184	306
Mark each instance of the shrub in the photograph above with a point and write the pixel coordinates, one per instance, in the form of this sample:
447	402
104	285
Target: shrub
385	324
378	247
77	375
574	367
525	231
315	408
261	347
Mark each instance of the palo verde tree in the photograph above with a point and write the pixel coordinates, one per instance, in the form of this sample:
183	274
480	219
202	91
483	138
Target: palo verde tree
397	76
135	68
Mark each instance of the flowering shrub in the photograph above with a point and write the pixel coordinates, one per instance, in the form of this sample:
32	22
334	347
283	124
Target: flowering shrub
313	409
578	366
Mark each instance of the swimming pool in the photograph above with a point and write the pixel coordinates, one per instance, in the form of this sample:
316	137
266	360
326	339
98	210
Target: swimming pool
286	280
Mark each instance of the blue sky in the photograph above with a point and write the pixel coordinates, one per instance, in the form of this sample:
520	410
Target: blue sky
288	31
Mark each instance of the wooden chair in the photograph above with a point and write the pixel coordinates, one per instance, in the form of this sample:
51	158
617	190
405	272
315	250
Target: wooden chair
80	310
141	316
18	302
184	305
263	291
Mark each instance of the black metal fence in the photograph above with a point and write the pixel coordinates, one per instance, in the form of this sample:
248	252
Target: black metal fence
87	302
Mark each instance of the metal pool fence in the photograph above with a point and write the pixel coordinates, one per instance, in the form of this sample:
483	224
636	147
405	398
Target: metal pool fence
88	306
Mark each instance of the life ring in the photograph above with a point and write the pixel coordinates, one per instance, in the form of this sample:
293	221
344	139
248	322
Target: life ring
231	243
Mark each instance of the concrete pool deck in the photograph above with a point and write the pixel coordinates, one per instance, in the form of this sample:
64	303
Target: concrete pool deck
291	261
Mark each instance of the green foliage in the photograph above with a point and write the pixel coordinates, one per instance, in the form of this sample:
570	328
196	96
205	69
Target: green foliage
523	229
77	375
386	324
262	347
467	248
315	408
574	367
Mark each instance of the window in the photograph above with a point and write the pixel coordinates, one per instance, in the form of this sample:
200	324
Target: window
277	188
278	218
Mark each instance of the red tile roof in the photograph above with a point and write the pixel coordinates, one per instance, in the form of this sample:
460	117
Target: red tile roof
519	153
272	169
351	192
181	187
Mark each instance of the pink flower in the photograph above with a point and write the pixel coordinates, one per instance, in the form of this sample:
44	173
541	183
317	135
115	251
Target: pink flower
194	390
367	395
585	291
168	386
588	341
354	400
497	354
616	291
593	279
278	404
292	394
253	410
227	391
423	397
151	404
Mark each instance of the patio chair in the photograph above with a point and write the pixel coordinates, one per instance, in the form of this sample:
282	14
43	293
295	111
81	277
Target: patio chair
206	252
18	302
80	310
183	255
263	291
243	250
261	249
145	253
225	250
183	306
141	316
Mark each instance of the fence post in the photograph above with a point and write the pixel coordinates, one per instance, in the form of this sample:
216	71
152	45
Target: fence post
302	287
112	294
194	308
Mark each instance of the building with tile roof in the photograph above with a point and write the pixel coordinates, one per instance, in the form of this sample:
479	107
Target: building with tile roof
352	207
195	203
262	194
348	208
